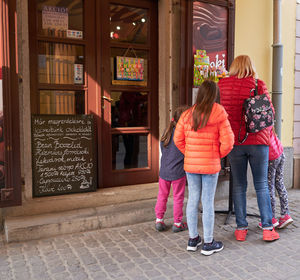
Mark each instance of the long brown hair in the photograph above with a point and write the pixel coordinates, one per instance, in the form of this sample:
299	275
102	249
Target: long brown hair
207	96
166	137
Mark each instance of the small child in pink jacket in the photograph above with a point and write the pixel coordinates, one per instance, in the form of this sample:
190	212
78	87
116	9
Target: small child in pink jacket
275	181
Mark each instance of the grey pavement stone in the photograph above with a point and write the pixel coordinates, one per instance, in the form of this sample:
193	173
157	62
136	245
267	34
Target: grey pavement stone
139	252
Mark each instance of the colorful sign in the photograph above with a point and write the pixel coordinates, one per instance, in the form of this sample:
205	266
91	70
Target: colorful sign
204	69
74	34
129	68
78	73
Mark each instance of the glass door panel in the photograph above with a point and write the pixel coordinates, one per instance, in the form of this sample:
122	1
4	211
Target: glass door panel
62	19
128	24
60	63
129	109
129	151
61	102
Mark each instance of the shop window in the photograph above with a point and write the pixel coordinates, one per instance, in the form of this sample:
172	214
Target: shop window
210	30
59	84
207	44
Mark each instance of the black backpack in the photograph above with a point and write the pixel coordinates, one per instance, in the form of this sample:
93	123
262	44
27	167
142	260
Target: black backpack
257	113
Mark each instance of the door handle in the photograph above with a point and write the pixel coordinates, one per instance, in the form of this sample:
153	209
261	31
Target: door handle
107	98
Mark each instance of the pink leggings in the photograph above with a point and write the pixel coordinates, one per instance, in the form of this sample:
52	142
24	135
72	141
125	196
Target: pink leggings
178	197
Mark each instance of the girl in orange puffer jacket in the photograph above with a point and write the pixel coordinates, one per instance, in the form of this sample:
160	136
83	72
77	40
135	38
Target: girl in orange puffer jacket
203	134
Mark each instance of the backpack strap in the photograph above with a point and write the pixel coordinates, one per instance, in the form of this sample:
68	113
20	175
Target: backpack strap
254	90
240	130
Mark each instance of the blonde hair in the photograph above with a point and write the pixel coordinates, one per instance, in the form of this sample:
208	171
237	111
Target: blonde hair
242	67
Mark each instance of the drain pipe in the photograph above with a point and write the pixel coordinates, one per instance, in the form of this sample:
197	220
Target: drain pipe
277	65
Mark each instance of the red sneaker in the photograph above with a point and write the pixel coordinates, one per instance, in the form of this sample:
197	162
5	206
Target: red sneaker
285	221
240	234
270	235
274	222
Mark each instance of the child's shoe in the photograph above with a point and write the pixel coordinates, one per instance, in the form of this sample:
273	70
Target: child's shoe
270	235
181	227
240	234
160	226
285	221
213	247
274	222
194	243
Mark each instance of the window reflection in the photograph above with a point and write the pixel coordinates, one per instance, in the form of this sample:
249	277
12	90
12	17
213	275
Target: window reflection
128	24
129	109
129	151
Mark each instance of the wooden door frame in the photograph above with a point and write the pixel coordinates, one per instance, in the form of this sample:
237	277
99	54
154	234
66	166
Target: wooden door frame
186	59
11	194
124	176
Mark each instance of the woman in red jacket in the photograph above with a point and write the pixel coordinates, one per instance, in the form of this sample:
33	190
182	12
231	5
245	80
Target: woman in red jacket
203	134
233	91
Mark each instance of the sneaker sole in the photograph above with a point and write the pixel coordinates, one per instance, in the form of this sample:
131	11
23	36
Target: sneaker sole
286	223
208	253
240	239
193	249
270	240
178	230
274	225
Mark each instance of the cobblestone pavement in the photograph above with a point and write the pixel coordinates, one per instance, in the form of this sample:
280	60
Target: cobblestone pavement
139	252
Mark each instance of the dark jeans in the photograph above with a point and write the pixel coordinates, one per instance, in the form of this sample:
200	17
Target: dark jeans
257	156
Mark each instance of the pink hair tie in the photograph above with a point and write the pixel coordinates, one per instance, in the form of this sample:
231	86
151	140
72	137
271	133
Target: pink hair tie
172	119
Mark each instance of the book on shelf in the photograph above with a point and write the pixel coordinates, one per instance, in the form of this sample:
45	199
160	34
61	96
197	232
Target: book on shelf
65	103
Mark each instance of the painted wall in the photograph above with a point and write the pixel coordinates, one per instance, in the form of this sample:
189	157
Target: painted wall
254	37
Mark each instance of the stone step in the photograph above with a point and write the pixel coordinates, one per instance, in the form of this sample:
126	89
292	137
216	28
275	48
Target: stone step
22	228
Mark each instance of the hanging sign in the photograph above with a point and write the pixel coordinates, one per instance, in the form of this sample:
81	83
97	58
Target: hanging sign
129	68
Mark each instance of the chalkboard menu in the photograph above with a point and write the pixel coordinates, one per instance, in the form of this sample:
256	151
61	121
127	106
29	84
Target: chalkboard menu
63	154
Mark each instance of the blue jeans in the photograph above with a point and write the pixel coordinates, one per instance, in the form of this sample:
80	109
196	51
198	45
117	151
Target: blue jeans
258	156
203	185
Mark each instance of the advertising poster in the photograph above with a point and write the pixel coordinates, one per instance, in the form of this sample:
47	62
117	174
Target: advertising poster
210	29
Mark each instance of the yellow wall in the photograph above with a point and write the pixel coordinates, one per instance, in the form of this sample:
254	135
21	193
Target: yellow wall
254	37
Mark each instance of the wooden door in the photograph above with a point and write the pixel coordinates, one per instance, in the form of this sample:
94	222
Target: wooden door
88	41
128	77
